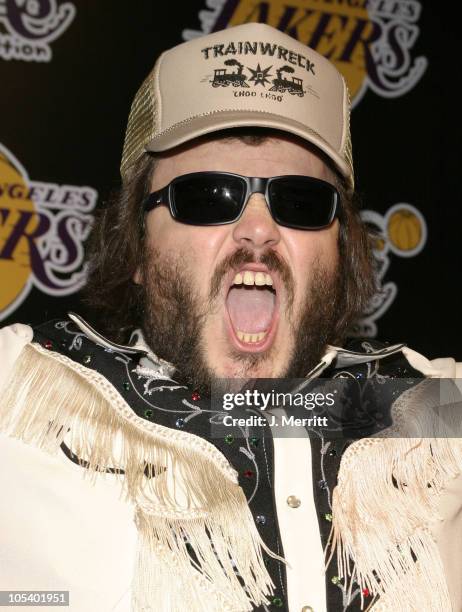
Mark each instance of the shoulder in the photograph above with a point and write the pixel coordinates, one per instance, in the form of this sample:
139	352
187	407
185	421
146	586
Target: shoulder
18	339
14	334
401	357
442	367
13	338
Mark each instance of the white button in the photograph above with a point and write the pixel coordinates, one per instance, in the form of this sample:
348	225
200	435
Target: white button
293	501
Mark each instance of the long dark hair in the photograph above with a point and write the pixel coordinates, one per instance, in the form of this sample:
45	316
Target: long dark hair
115	251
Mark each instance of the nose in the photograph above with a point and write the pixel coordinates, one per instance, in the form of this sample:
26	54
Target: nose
256	228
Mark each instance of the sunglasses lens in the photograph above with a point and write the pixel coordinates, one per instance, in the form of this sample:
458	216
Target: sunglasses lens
302	202
208	200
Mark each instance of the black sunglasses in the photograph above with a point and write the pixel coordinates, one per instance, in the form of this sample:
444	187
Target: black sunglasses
217	198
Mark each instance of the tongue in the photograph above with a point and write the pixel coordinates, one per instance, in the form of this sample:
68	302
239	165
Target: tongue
250	310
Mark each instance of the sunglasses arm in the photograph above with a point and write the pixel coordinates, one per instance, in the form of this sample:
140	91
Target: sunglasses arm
154	199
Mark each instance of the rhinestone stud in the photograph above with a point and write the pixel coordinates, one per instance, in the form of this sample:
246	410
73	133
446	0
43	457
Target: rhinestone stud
277	601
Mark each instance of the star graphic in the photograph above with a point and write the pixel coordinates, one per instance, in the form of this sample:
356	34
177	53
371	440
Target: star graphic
260	75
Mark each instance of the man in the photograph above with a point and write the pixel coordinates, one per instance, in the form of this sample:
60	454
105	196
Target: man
233	251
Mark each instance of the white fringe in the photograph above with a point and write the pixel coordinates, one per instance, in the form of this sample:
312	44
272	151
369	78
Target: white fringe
387	497
193	496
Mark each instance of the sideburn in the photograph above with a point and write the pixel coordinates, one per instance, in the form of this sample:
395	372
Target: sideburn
172	321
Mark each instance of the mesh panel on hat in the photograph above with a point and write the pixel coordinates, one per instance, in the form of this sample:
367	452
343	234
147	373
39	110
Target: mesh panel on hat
141	126
347	151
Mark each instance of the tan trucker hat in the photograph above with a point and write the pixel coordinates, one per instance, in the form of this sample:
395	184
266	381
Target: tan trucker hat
248	75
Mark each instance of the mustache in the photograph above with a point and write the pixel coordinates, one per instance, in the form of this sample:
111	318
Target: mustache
272	260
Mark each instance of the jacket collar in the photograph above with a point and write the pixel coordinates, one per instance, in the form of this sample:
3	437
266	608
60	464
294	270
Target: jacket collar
138	346
341	357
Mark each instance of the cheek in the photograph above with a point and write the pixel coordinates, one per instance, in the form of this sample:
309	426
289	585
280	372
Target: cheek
170	238
160	229
197	247
309	249
329	250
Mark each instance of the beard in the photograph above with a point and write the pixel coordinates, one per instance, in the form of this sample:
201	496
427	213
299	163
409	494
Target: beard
174	316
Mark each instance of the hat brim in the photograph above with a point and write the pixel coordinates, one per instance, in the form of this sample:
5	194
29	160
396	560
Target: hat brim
201	125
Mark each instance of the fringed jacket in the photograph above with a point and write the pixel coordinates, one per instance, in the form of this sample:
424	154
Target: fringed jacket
114	489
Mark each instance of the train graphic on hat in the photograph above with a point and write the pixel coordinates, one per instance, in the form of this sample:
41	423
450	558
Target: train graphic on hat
233	74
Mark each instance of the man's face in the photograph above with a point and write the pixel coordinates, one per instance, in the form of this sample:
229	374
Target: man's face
192	275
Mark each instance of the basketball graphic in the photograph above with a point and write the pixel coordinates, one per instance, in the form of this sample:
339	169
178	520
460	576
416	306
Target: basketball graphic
15	264
406	229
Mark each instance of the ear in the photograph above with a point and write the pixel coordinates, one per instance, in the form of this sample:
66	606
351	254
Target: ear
137	278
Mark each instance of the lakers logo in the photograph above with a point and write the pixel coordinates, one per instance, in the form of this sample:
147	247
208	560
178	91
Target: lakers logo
402	230
42	230
369	42
15	268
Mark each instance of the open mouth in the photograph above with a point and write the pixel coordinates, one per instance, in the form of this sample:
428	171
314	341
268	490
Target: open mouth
252	308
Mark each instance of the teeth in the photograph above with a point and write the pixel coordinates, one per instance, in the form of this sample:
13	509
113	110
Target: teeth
253	278
247	337
260	278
